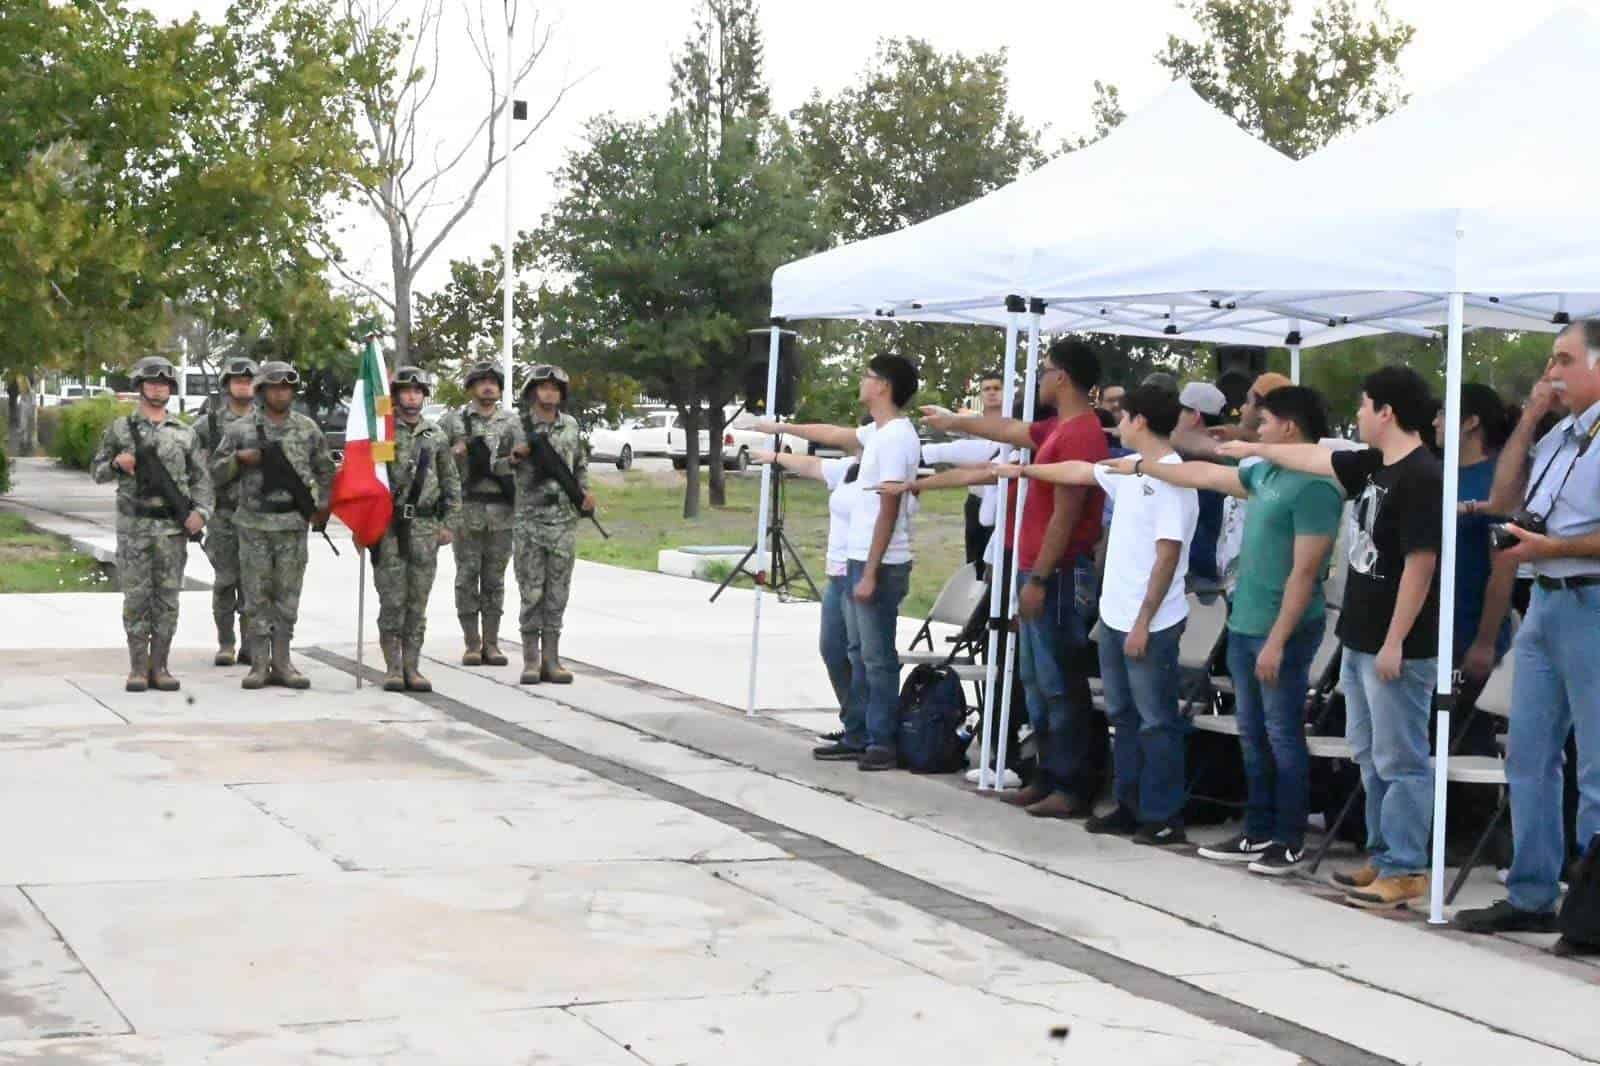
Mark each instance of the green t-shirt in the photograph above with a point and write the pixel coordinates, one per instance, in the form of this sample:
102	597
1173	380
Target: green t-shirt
1284	504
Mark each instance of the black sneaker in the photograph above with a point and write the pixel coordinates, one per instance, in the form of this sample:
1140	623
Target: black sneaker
1279	860
838	752
831	738
1119	823
1160	834
1502	917
1236	849
878	759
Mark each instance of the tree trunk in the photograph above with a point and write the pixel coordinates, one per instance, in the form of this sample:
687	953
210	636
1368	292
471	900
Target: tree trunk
718	475
22	423
400	262
691	454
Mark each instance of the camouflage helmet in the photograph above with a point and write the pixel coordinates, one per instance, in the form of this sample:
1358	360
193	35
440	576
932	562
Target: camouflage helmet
542	372
154	368
413	376
277	372
240	366
478	371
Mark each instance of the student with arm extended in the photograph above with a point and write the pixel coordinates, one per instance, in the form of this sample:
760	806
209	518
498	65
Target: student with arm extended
1142	612
1389	625
1275	623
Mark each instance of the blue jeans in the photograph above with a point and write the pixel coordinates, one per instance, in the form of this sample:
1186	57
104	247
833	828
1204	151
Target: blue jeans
1142	705
1272	733
1060	707
1556	688
833	641
872	716
1386	723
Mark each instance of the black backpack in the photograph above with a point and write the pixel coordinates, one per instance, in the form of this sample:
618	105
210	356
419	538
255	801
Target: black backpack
1579	920
933	713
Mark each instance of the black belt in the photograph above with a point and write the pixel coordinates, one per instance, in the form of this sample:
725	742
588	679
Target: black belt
1578	581
406	512
145	510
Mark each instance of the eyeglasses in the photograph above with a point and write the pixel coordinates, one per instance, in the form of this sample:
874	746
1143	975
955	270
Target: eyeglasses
241	366
281	377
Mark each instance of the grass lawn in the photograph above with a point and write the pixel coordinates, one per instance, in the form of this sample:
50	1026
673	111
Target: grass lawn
31	561
644	514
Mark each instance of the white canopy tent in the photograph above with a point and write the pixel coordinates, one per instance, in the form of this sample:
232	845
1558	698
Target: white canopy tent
969	265
1474	206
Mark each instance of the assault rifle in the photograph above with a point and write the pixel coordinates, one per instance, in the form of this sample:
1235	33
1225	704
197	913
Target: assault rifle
152	477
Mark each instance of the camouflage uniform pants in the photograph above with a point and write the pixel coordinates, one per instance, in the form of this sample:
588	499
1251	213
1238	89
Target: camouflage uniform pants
222	548
150	568
272	567
404	581
481	558
544	556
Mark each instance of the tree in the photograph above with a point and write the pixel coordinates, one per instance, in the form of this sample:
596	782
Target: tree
1343	74
669	230
411	174
920	133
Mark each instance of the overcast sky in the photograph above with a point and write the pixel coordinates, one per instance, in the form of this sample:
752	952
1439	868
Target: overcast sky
1057	48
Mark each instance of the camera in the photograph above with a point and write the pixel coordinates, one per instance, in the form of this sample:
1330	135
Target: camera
1501	537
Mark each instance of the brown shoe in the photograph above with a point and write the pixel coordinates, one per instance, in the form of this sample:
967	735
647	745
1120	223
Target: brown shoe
1059	805
1361	878
260	660
161	678
138	664
492	655
473	656
1387	893
283	671
1026	796
394	678
530	658
550	668
411	658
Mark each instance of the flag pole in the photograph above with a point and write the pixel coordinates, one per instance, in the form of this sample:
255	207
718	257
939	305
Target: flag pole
361	613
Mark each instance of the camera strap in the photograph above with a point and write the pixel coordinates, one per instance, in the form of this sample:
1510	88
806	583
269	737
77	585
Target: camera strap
1583	446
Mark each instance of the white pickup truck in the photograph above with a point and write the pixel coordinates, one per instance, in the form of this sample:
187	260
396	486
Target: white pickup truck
738	441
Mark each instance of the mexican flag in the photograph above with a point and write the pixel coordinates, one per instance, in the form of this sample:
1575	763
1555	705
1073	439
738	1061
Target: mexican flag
361	498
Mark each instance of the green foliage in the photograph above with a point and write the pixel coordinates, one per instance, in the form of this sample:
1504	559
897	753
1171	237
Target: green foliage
921	132
81	426
1342	74
31	561
5	469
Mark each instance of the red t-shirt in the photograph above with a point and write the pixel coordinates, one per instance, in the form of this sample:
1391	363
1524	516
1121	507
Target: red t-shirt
1055	441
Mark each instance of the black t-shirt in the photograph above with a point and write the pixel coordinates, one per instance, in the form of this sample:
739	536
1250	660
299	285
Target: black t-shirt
1397	512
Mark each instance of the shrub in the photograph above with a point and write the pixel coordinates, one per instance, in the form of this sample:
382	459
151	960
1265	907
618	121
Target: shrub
80	427
5	468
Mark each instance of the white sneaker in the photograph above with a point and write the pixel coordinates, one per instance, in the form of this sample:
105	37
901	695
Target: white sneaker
985	779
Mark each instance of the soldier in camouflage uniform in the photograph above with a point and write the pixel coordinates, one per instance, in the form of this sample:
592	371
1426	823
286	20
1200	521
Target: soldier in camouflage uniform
152	538
272	531
545	533
483	535
222	540
427	502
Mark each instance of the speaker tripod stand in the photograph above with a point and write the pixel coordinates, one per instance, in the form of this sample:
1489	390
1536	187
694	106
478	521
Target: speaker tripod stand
781	555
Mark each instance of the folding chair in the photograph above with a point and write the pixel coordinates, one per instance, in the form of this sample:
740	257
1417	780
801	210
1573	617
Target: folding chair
954	606
1495	699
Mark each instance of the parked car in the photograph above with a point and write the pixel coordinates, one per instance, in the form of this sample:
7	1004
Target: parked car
73	393
738	441
631	439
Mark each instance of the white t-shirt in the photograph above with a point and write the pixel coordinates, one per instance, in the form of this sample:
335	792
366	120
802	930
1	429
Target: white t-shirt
890	452
969	451
1145	511
842	499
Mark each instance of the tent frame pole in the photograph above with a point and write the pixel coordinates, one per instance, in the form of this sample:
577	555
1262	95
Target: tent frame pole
1035	317
1444	688
763	513
997	575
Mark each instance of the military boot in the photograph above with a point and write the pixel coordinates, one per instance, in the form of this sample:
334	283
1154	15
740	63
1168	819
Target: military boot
550	668
411	656
260	662
226	655
283	671
244	641
394	678
492	655
138	664
161	678
530	657
473	656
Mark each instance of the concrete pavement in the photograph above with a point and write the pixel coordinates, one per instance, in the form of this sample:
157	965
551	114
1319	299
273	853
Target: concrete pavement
629	870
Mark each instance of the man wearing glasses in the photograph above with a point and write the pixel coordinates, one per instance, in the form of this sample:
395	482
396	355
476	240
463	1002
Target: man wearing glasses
222	539
272	531
545	524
